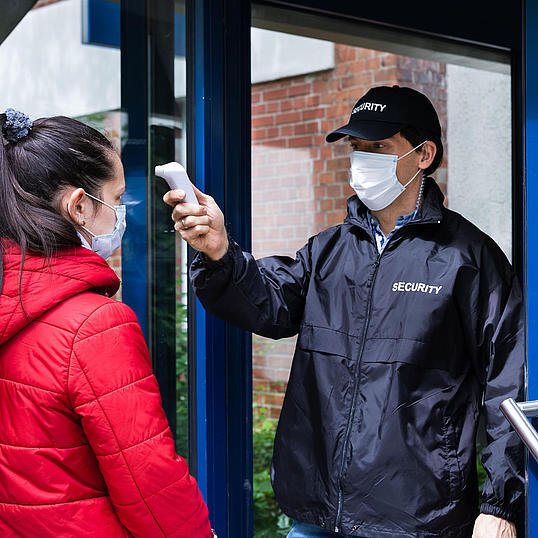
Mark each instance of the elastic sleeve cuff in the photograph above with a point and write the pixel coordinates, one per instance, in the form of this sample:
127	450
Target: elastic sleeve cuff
486	508
201	260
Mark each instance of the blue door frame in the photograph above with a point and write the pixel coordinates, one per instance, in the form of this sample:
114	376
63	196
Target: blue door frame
218	147
218	157
531	239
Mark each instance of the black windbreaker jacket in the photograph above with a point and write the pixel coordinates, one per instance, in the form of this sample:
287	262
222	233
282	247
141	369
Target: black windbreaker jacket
397	355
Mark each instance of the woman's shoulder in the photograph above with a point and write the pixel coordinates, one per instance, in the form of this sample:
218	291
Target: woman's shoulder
108	350
89	312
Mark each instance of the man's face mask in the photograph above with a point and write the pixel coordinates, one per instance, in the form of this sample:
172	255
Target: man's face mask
106	244
373	178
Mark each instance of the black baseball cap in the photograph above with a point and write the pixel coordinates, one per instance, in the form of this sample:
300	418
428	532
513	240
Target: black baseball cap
385	110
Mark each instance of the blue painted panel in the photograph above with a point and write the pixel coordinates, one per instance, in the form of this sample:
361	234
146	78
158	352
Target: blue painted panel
179	35
196	132
201	400
218	146
531	236
134	246
102	25
134	157
206	171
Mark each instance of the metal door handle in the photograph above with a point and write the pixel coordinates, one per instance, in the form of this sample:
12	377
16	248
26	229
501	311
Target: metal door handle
517	413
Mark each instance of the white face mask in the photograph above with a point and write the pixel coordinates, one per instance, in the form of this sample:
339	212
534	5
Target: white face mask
106	244
373	178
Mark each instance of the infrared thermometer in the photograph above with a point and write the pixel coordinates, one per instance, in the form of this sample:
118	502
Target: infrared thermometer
175	175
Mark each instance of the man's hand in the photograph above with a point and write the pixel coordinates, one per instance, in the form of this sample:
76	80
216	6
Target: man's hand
488	526
202	226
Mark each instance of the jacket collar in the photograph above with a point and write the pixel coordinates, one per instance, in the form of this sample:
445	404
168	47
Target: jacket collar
431	211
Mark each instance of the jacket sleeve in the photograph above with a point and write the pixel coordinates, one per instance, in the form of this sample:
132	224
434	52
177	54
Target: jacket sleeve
264	296
112	388
497	321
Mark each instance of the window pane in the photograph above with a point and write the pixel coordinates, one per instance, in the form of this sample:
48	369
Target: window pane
180	75
63	58
52	71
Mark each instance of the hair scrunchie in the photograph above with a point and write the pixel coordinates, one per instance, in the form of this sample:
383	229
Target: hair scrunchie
16	126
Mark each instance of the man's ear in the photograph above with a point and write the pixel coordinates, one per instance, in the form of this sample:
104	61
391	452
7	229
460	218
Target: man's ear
74	205
429	151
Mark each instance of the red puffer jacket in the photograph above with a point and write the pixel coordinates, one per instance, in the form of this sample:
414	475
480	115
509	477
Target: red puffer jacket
85	448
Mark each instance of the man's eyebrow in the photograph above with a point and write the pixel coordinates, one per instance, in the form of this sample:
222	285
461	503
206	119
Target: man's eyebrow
358	141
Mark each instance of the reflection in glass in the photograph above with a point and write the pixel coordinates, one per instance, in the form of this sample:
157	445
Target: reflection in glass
180	143
62	63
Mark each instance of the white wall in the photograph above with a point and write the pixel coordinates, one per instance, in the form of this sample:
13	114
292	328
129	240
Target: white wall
277	55
480	151
49	70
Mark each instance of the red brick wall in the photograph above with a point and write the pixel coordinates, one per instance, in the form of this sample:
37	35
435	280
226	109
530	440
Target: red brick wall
299	182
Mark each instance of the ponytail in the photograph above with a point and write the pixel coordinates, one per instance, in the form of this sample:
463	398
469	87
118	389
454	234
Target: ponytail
37	161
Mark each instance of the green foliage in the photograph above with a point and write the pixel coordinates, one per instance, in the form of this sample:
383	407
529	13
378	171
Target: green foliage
95	120
269	521
480	468
182	389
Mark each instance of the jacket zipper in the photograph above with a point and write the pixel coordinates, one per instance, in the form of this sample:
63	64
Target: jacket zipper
356	373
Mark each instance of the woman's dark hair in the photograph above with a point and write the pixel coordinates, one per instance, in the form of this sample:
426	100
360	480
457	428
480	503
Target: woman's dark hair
416	136
57	152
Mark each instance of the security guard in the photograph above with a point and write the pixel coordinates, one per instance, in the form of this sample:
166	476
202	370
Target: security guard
409	323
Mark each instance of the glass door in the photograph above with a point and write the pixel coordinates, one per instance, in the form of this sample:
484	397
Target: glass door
300	183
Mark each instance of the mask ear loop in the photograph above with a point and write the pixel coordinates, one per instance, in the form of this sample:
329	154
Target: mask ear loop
86	230
411	150
418	171
104	203
108	205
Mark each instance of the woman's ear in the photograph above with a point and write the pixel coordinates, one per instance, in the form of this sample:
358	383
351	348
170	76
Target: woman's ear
429	150
75	206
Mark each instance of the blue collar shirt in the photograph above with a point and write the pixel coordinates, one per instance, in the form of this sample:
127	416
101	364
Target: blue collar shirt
380	239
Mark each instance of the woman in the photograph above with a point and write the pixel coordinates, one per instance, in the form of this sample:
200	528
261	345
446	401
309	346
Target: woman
85	448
